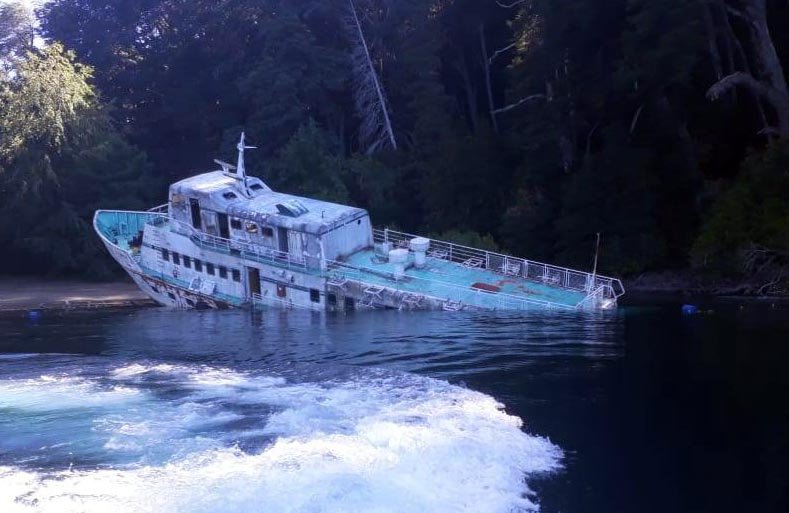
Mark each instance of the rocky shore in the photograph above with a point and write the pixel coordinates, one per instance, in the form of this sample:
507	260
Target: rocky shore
691	283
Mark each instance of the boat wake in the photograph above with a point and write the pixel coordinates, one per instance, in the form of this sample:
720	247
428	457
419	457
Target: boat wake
188	438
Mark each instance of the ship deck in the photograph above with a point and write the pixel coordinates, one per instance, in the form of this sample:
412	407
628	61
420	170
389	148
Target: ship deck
444	279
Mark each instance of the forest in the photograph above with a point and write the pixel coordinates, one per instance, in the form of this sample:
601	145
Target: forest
523	125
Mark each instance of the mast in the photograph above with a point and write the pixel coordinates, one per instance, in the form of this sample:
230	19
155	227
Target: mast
594	270
241	171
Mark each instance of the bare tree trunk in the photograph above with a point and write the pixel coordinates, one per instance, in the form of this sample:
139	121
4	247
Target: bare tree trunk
712	41
771	83
771	69
736	51
471	93
488	87
376	126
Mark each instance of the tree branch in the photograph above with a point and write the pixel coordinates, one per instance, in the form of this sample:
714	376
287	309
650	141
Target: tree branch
500	51
737	79
636	117
520	102
509	6
770	131
736	12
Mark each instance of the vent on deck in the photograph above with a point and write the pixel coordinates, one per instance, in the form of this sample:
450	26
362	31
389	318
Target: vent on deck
292	208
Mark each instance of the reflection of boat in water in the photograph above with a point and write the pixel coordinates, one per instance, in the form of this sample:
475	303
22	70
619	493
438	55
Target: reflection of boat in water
226	239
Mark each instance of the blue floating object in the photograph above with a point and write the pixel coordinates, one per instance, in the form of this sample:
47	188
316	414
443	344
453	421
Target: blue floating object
34	315
689	309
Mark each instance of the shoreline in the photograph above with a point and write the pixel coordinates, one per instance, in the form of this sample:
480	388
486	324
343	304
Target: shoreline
27	294
685	283
23	295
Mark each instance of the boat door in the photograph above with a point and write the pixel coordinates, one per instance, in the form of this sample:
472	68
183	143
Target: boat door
282	237
253	278
194	206
224	229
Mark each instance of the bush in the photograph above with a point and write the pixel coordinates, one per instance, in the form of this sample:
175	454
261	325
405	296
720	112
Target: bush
754	212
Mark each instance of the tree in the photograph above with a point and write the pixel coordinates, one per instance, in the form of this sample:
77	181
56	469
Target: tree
309	165
17	33
63	159
44	101
751	217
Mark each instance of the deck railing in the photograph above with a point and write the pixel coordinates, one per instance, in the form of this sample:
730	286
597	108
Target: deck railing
243	249
161	209
122	223
443	291
553	275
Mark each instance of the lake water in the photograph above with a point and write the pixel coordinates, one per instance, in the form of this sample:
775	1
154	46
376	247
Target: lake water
639	410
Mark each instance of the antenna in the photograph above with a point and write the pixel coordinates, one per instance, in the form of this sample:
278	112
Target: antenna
241	171
226	168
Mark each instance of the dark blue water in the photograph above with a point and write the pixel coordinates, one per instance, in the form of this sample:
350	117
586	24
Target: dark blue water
639	410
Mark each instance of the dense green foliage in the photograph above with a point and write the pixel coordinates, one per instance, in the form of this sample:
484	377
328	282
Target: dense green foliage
62	159
752	216
528	125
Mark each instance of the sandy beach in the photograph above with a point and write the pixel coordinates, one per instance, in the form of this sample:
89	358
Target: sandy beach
33	293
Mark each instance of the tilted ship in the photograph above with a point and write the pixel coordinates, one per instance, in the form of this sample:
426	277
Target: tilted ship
225	239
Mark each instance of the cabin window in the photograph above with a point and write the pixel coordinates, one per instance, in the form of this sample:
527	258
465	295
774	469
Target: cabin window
223	272
235	224
331	299
256	187
176	258
266	231
198	266
282	290
315	295
165	255
187	262
229	196
251	227
350	303
236	274
209	268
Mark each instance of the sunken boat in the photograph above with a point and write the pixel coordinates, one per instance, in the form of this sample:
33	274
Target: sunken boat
225	239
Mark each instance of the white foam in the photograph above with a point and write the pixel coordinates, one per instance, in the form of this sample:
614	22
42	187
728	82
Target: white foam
372	444
51	393
202	375
23	356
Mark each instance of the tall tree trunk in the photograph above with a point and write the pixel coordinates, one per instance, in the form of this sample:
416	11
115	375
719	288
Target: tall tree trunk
712	41
769	63
737	57
376	126
471	92
488	86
